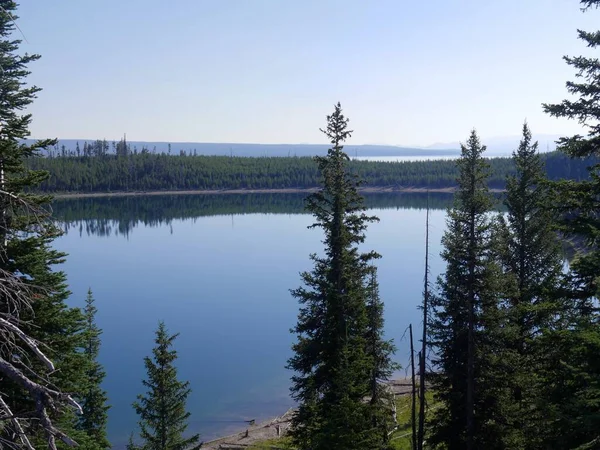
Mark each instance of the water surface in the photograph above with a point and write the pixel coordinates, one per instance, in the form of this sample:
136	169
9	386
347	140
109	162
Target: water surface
218	269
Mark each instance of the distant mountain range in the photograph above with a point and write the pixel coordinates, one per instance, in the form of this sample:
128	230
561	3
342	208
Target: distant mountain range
496	146
506	144
203	148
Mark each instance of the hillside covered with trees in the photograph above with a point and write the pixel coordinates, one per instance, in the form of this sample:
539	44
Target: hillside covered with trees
98	171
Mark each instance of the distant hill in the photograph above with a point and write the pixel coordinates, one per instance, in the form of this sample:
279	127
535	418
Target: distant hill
504	145
224	149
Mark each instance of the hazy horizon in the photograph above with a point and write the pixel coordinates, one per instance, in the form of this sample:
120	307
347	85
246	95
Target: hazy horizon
407	74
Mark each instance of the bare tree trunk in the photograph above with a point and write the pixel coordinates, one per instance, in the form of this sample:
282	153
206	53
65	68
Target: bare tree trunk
471	336
414	391
421	433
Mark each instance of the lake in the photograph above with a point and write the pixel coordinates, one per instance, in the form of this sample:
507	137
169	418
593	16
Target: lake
218	270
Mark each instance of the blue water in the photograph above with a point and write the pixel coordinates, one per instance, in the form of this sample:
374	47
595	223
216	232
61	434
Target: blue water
223	283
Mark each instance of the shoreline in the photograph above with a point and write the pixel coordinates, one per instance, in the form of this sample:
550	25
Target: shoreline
367	190
267	430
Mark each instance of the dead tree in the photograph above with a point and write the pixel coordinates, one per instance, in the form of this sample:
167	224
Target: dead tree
423	353
18	350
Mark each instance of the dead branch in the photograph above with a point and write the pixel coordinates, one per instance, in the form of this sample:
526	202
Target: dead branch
15	421
17	296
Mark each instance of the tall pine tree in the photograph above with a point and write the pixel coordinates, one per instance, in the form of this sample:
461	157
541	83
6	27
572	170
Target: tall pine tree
382	366
333	360
93	398
162	411
465	318
574	393
532	266
45	363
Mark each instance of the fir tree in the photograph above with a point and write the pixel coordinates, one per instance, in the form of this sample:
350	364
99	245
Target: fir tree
465	317
573	395
334	369
39	340
162	411
381	351
532	267
93	398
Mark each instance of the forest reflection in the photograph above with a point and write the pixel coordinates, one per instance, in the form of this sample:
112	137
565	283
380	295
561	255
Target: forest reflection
119	216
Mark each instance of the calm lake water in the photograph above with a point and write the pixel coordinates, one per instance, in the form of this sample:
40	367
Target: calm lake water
218	269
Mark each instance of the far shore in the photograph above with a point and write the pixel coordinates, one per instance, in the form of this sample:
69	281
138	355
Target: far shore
368	190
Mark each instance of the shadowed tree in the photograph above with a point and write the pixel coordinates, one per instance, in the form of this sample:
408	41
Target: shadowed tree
39	334
465	319
333	361
573	396
93	398
162	410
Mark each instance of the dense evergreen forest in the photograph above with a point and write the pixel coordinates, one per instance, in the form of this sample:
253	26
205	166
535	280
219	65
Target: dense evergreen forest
96	171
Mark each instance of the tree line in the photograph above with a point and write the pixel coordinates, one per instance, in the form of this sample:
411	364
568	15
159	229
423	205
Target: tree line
148	171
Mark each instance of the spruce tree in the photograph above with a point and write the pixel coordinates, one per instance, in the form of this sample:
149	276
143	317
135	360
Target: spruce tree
333	361
40	335
382	367
93	398
161	410
573	394
465	318
532	267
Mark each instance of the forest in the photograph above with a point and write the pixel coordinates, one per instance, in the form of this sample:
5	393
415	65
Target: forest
95	171
509	358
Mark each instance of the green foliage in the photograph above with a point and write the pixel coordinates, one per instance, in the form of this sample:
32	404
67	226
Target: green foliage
332	363
572	392
401	439
93	398
380	351
162	412
531	261
26	237
156	172
464	320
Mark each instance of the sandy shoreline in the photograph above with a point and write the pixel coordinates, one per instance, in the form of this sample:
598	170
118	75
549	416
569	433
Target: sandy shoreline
267	430
368	190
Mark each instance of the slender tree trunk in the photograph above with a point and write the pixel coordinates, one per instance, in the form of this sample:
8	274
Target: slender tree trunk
414	391
421	433
471	333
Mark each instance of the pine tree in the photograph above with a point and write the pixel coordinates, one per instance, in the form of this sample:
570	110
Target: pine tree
532	268
39	334
333	367
573	396
381	351
93	398
162	411
465	318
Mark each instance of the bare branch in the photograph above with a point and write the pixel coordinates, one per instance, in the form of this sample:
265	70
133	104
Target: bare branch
31	343
15	421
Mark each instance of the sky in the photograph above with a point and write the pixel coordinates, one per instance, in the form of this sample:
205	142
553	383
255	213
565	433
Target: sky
410	73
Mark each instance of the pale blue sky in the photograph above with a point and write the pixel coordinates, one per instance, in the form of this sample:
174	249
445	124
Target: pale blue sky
268	71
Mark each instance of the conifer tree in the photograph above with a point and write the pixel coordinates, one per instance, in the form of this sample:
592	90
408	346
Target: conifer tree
382	367
573	396
162	409
332	361
532	267
93	398
39	334
465	318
